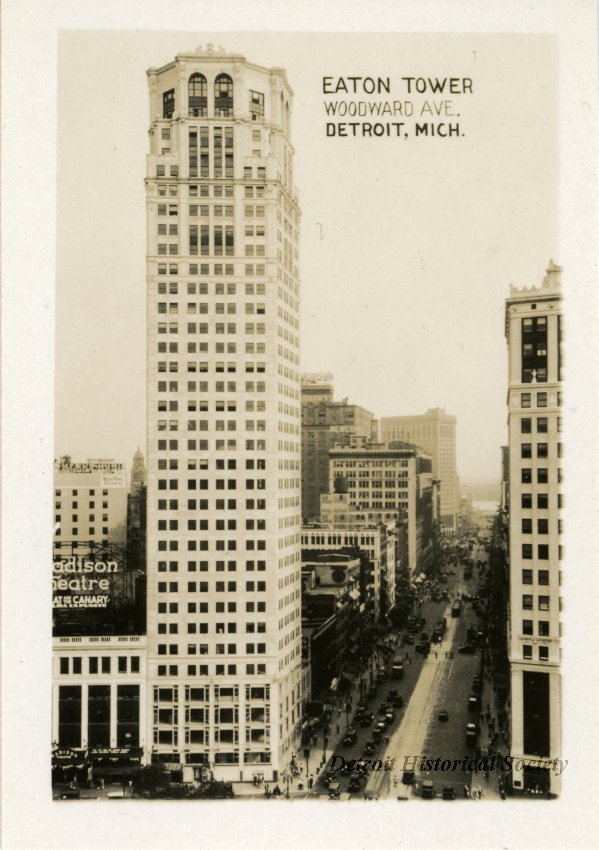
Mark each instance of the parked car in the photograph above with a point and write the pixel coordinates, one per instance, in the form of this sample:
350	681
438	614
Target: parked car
366	719
389	717
369	748
448	792
334	791
428	790
407	777
409	640
443	714
383	708
467	648
473	702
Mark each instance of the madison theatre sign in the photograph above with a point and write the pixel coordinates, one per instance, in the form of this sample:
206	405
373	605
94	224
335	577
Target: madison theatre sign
77	583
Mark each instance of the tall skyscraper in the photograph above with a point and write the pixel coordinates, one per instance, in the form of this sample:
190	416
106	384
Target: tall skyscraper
435	432
533	331
223	545
325	424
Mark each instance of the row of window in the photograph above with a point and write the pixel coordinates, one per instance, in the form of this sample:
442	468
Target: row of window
542	475
542	500
542	627
212	670
218	566
95	664
219	308
216	269
219	190
197	96
540	399
90	506
196	694
75	531
528	602
74	492
543	653
219	386
217	586
219	328
542	577
218	649
219	484
206	366
219	505
542	526
219	446
542	424
542	450
204	628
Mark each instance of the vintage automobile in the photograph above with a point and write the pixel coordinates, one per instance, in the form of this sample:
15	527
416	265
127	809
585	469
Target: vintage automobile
428	790
350	737
355	783
334	790
448	792
471	732
443	714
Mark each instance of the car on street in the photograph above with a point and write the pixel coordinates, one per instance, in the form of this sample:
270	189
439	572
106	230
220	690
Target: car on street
473	702
369	748
409	640
334	791
448	792
390	717
467	648
355	783
408	777
443	714
383	708
366	719
428	789
471	732
350	737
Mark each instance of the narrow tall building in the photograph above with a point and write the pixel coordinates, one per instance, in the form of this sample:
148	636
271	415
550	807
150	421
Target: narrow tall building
435	432
325	424
534	336
223	543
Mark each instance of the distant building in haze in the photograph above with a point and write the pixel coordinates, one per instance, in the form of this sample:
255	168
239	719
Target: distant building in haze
435	432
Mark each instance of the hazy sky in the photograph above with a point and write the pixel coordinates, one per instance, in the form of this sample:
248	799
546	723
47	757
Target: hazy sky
408	245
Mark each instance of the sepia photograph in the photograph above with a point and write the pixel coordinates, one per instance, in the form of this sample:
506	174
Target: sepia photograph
311	350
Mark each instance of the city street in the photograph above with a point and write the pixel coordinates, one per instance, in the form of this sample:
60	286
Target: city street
442	681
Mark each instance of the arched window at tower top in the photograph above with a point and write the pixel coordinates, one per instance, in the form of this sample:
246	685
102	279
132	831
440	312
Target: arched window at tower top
223	96
198	95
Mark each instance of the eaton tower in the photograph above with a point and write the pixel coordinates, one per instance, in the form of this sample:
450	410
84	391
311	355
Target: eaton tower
224	443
